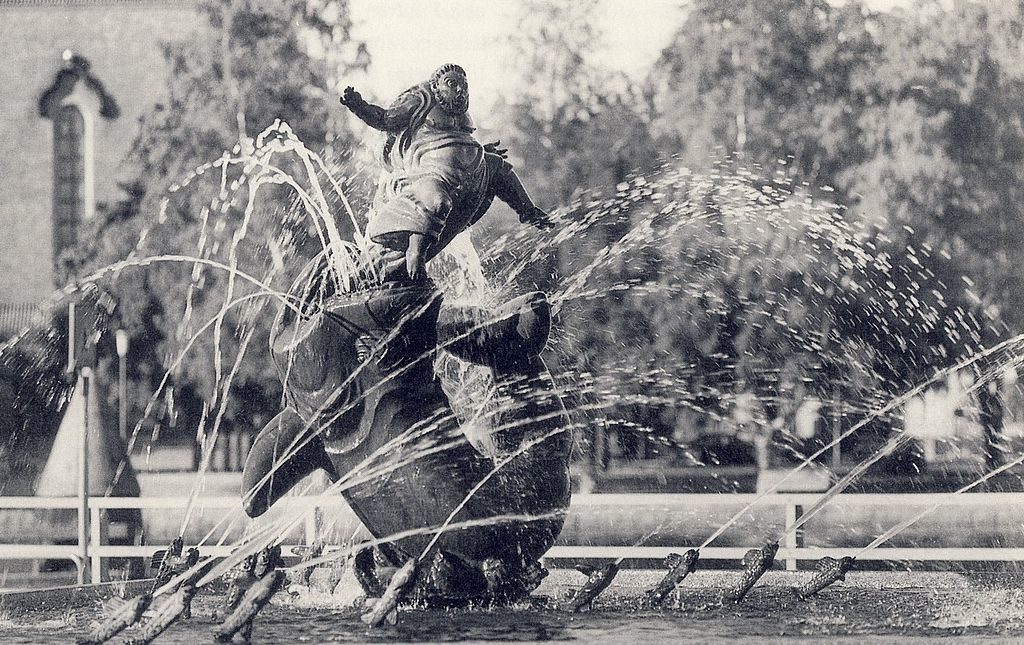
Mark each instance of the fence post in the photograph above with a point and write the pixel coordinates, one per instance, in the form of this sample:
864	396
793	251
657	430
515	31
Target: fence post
97	538
793	539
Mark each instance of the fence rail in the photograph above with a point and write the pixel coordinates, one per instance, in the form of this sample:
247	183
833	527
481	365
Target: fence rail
307	509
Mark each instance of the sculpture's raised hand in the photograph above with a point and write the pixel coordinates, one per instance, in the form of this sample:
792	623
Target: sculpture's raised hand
537	217
350	98
496	149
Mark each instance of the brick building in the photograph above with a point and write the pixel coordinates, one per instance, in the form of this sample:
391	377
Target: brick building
77	75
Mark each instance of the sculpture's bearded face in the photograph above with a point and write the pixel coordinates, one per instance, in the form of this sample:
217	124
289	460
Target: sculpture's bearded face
451	90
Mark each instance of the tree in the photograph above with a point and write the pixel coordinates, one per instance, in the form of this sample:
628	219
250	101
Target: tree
251	63
572	129
574	125
943	109
766	82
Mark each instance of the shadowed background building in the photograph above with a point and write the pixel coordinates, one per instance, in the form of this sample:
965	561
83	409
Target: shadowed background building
77	76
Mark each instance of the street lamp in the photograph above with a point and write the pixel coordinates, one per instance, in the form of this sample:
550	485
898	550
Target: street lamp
121	340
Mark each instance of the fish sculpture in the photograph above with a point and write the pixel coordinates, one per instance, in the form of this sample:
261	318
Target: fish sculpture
268	559
255	598
829	570
172	562
386	608
120	615
756	563
679	566
166	613
239	580
307	554
358	372
598	581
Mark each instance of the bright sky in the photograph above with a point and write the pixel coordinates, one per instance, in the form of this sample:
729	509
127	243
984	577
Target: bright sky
408	39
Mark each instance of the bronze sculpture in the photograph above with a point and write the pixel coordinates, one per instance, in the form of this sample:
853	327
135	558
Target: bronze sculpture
363	401
438	179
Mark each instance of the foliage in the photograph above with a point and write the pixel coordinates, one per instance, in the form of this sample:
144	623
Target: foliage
765	81
569	125
762	290
944	124
250	64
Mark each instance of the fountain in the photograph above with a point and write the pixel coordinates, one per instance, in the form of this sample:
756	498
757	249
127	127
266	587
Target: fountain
460	501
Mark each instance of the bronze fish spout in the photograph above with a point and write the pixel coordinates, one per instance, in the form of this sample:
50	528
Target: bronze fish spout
387	606
169	611
251	570
269	558
308	554
121	615
172	562
757	562
172	551
257	596
598	581
829	570
239	580
679	566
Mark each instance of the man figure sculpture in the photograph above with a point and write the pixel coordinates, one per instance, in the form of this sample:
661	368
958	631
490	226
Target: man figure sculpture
438	179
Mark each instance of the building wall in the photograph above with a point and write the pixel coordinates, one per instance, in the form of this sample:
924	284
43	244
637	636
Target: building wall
121	40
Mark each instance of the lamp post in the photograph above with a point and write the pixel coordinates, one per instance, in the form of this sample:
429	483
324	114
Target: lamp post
121	340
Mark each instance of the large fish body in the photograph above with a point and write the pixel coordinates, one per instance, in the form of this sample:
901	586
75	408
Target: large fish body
126	614
168	612
387	606
252	602
598	581
829	570
679	566
757	562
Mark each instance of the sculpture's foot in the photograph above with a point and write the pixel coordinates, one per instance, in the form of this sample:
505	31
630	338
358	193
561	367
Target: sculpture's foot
455	581
451	580
496	574
507	585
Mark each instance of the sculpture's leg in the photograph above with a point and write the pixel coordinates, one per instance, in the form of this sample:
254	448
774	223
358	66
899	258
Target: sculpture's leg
266	457
421	207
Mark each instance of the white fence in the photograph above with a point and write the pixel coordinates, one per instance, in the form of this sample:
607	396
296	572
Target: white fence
93	555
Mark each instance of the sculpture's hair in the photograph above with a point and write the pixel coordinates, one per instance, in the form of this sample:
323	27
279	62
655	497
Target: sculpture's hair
444	69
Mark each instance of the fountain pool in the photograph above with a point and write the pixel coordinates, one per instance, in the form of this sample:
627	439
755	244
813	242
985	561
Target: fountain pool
870	607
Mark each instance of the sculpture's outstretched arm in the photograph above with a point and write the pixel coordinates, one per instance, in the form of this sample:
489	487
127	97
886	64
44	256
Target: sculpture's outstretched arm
393	119
509	189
